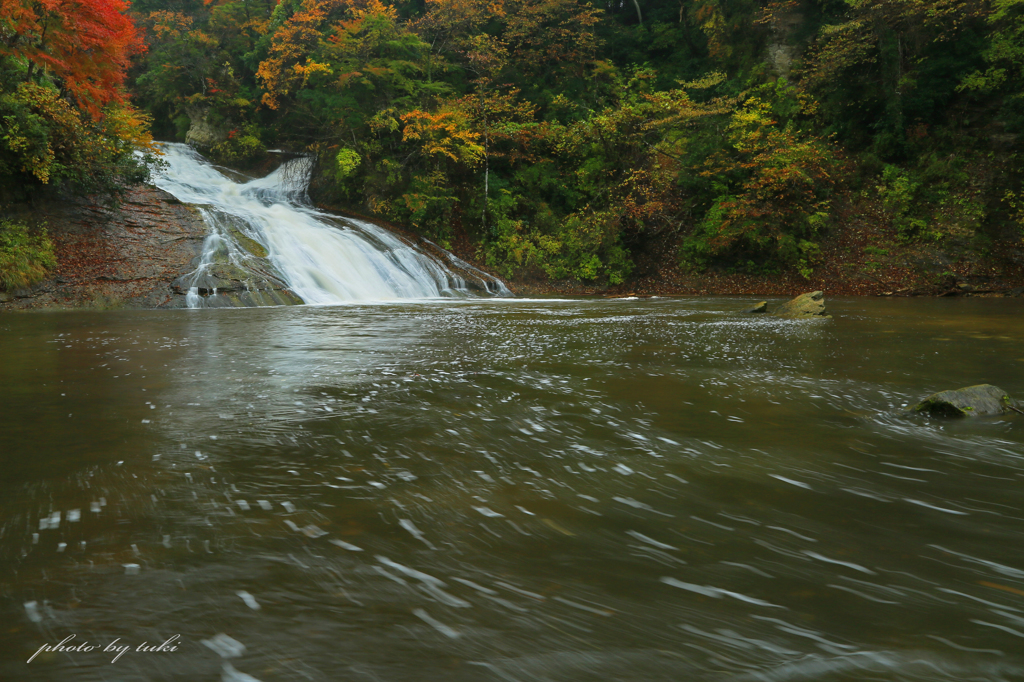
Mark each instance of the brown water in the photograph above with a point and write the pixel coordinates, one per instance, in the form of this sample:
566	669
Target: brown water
512	490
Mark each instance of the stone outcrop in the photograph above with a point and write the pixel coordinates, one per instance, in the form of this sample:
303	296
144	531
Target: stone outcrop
115	257
782	48
972	401
806	306
202	133
760	307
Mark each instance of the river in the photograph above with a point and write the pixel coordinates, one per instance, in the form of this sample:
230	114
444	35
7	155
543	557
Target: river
511	489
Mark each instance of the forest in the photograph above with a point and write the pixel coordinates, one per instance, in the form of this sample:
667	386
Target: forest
551	139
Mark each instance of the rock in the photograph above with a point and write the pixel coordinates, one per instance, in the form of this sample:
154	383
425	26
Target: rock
5	297
251	246
803	307
973	401
202	133
107	257
1019	291
785	26
761	307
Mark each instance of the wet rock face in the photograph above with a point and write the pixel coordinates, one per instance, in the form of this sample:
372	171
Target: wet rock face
202	133
806	306
112	258
972	401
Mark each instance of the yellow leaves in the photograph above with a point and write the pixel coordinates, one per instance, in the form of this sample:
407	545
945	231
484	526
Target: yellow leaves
271	73
257	25
445	134
126	124
708	80
310	68
359	43
289	61
375	8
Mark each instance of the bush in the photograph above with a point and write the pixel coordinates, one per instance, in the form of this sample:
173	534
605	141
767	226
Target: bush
242	148
776	182
44	140
24	258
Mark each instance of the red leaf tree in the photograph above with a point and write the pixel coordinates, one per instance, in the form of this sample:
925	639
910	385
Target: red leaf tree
84	45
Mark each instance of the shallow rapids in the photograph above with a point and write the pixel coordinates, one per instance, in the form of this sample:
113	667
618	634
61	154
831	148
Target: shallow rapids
512	490
270	245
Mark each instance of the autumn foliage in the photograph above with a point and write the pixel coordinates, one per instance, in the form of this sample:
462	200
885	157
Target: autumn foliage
567	138
66	118
87	45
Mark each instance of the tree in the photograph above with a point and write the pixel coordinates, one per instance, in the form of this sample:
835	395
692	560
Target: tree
65	117
85	45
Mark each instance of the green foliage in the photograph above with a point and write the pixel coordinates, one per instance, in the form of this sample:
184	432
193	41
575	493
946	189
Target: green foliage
897	192
776	181
24	258
45	140
242	147
565	140
347	162
1004	60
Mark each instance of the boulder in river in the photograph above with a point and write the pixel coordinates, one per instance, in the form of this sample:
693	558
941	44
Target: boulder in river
760	307
803	307
972	401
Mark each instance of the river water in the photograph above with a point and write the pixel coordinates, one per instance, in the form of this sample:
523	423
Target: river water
511	490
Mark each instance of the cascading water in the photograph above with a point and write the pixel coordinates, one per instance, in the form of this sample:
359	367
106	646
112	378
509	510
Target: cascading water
268	246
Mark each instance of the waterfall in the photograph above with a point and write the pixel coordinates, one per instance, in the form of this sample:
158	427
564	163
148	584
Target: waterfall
267	245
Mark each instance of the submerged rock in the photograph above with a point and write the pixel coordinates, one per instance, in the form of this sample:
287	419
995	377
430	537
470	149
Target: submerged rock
761	307
803	306
973	401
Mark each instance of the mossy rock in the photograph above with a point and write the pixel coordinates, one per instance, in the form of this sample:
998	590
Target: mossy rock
252	246
761	307
972	401
805	306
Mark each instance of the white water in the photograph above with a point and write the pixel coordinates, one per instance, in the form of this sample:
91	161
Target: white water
321	258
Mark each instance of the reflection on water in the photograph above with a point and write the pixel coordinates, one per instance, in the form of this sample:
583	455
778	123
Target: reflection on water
515	490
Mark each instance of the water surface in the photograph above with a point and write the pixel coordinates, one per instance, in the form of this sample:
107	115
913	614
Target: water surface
512	490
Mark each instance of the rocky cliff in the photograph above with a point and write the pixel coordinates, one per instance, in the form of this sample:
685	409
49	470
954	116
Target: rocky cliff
114	257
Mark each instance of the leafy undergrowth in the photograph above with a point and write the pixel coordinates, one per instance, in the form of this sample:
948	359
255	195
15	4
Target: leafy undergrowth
25	258
867	256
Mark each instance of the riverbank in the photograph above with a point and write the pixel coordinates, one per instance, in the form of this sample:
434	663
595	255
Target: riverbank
865	259
124	257
131	256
